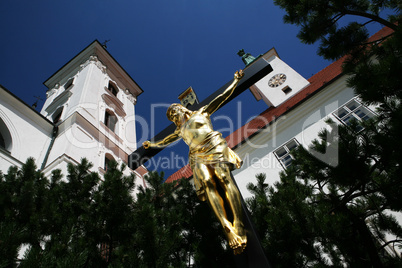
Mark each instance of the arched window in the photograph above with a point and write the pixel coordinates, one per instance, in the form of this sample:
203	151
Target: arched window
2	142
5	137
110	120
113	88
57	115
108	159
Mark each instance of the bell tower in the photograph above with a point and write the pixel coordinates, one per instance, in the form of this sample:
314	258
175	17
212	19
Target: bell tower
91	100
280	85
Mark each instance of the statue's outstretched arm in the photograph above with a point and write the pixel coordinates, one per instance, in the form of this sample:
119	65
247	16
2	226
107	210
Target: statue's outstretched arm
164	142
217	102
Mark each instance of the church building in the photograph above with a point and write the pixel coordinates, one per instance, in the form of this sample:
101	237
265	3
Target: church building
89	112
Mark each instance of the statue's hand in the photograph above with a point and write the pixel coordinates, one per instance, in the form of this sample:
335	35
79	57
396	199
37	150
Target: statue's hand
239	74
146	144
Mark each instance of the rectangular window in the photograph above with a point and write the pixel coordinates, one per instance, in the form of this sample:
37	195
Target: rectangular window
353	110
110	120
113	89
287	90
283	153
69	84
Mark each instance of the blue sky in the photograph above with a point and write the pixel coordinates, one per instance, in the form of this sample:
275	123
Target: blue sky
166	46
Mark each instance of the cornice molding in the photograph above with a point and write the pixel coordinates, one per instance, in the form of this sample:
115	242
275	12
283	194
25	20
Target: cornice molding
130	97
58	101
93	59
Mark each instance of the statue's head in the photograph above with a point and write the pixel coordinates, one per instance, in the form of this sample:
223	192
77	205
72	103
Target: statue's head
172	111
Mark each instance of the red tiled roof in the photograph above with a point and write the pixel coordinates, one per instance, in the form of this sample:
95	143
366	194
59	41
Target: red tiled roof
141	170
184	172
317	82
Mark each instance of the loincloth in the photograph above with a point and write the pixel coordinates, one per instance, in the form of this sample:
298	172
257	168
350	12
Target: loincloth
214	150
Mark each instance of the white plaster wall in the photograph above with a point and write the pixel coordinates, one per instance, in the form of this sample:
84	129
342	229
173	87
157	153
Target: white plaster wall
303	123
82	87
275	96
76	143
53	93
60	163
92	107
30	132
6	160
129	131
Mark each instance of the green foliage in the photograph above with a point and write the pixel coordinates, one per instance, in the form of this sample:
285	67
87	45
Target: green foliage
177	230
320	215
329	22
342	210
86	221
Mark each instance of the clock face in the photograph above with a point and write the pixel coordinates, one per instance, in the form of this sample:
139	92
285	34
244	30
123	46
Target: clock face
277	80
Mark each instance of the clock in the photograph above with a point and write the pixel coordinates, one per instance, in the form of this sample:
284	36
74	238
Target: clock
277	80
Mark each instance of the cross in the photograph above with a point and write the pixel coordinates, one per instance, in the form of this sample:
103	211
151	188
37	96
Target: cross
36	102
104	43
252	73
253	255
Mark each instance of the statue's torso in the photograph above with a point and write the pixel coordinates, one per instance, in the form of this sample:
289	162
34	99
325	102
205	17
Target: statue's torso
196	129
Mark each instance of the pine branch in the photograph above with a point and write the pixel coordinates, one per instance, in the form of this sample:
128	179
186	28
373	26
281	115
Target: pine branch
358	194
336	18
379	40
390	242
365	15
375	211
372	17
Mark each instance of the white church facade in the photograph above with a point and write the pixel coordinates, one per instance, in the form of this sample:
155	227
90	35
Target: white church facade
89	112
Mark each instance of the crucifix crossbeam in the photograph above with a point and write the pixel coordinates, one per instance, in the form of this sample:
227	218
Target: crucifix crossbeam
252	74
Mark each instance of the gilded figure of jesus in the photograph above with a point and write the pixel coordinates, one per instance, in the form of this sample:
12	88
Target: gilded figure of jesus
211	161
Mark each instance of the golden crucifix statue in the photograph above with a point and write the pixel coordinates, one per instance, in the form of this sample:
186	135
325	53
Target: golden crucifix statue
211	161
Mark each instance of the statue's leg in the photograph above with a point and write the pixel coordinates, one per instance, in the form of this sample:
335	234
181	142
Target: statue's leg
206	175
233	198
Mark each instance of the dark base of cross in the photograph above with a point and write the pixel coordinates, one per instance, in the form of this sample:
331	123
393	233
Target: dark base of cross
253	255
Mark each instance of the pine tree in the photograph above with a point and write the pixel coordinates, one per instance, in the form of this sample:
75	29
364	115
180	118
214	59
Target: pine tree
283	217
175	229
23	198
68	204
357	194
204	239
82	220
339	212
112	209
340	26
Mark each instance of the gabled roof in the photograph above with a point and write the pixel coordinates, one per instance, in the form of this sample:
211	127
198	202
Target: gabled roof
96	48
317	82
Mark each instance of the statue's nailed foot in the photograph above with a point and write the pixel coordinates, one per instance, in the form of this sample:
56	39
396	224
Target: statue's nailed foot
240	231
235	241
